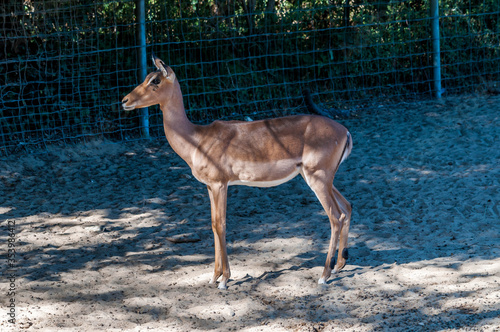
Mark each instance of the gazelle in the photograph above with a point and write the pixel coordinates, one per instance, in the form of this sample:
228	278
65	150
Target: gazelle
261	153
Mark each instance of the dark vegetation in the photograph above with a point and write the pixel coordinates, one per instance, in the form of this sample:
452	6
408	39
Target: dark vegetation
65	65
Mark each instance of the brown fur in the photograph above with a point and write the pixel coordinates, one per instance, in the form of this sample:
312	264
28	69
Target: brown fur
252	153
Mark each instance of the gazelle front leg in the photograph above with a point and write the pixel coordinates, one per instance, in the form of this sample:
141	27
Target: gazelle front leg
218	203
218	258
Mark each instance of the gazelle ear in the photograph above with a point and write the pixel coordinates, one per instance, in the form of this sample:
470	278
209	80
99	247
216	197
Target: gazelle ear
170	72
167	72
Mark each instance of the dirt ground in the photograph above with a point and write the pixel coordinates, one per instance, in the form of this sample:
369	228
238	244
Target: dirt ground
94	225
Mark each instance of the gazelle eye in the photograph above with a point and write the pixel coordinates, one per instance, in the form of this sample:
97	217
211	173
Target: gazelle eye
156	81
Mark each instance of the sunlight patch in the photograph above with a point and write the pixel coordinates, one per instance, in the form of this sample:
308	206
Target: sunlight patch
5	209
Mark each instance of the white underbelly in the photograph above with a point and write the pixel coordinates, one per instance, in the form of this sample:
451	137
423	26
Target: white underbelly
265	184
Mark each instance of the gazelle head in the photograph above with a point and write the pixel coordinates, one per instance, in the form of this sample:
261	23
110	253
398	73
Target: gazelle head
157	87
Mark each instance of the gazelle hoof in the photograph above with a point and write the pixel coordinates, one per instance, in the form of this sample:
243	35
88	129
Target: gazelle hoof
214	279
338	268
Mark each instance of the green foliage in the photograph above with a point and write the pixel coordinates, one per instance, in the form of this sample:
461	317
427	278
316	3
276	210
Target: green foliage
67	64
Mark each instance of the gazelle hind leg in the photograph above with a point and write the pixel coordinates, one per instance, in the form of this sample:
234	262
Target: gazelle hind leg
323	190
327	270
343	254
346	209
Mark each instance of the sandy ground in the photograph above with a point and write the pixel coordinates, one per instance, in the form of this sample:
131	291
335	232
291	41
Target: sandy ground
92	224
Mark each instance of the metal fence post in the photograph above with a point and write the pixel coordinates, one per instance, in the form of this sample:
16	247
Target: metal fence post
436	52
140	13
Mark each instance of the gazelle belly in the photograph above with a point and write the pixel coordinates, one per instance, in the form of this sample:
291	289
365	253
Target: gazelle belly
267	183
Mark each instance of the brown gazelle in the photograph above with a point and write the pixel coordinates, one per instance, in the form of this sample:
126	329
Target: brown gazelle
258	153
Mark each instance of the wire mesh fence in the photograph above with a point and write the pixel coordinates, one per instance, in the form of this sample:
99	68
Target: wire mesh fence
65	65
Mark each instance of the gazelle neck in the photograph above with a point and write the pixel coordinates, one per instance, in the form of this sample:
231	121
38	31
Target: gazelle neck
180	132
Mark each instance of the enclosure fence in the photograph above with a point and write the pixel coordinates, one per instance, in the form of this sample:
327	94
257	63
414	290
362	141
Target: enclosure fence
66	64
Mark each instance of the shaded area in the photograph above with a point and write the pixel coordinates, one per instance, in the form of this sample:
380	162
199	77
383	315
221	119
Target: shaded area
92	222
